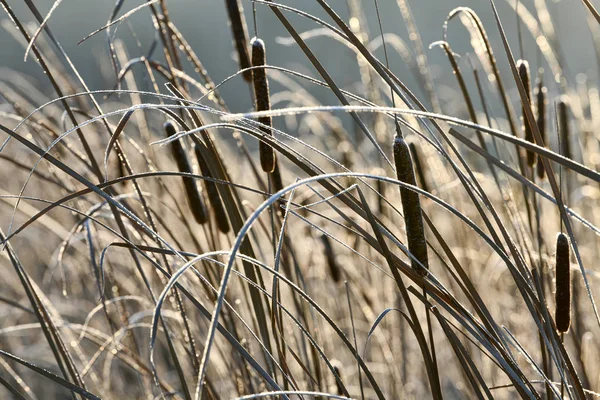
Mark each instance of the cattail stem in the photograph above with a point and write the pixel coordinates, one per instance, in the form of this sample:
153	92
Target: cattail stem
562	379
563	284
212	192
183	164
263	102
239	30
411	205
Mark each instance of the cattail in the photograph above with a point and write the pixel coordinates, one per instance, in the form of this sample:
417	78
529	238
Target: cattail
263	102
524	75
334	268
563	123
240	35
541	92
183	164
212	192
418	167
563	284
411	205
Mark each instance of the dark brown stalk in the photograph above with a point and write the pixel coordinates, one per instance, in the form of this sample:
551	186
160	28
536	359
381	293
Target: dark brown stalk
237	22
563	284
263	101
183	164
212	192
541	92
411	205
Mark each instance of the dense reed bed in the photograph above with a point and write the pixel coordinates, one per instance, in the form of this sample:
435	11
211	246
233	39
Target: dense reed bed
377	238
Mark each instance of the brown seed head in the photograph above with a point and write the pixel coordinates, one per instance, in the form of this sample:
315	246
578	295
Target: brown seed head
411	205
563	284
563	122
263	102
525	76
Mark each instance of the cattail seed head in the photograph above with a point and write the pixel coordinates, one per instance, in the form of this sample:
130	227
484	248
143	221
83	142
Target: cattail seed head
334	268
563	284
411	205
263	101
239	30
212	193
541	94
183	164
525	76
563	123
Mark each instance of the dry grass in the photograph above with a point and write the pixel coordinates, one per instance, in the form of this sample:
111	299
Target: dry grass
396	242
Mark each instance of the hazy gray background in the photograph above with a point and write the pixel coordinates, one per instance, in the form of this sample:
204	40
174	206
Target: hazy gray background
204	24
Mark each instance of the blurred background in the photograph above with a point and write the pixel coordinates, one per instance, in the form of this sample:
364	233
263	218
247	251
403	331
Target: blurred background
201	22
